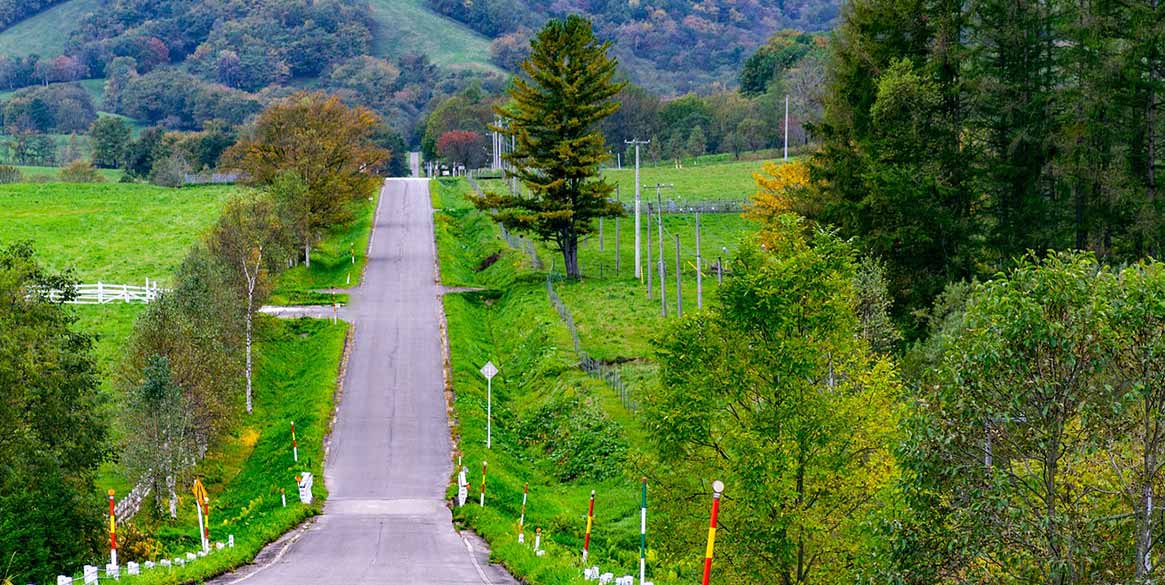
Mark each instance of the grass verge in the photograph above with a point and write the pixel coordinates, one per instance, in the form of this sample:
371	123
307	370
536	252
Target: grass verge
296	379
337	262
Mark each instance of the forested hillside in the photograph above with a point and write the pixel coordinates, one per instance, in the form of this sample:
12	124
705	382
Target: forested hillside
671	46
13	11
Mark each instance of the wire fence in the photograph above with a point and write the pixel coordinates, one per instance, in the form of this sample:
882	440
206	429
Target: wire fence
594	368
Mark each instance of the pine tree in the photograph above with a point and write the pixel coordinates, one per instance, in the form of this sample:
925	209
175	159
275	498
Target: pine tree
556	110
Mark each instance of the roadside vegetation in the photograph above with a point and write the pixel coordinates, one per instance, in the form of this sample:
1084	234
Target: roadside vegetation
196	384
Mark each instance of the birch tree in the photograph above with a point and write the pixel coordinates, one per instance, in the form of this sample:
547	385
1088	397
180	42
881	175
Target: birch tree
250	240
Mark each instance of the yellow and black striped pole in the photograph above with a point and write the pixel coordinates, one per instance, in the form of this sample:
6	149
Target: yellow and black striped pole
717	490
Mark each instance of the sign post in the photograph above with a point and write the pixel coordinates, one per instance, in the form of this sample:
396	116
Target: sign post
112	532
489	370
200	497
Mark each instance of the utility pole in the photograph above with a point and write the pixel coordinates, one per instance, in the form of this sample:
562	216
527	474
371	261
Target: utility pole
786	127
659	187
619	199
638	267
699	268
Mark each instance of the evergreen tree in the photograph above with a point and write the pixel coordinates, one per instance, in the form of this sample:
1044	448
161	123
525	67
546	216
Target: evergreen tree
556	110
111	139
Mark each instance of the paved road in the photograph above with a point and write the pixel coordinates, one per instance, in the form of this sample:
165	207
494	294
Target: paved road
386	521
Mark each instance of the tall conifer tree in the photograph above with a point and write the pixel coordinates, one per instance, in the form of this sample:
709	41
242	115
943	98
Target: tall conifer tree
554	116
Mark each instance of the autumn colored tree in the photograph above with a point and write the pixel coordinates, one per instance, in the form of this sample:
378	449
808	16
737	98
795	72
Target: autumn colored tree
780	191
462	146
557	105
326	145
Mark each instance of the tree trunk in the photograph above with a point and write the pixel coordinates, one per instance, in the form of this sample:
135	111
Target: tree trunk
570	255
306	253
1144	511
250	316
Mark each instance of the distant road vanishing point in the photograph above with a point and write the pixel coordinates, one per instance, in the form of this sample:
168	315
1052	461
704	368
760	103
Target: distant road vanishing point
386	521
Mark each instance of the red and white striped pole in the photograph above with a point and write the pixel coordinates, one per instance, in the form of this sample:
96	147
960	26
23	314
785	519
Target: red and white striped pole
294	444
590	521
717	490
112	531
522	518
483	484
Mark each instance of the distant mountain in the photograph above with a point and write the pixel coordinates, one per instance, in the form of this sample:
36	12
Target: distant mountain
669	45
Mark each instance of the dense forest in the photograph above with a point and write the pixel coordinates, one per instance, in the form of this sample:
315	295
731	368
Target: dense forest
658	41
959	141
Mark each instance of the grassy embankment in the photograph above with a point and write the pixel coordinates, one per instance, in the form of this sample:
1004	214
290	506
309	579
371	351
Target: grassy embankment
337	262
512	323
706	179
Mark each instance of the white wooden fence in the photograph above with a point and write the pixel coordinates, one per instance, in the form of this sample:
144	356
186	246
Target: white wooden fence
104	293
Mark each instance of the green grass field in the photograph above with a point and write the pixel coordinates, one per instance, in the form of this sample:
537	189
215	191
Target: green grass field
45	33
409	26
112	232
707	181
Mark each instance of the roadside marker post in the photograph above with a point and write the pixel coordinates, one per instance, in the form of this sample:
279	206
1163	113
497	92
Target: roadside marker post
643	535
294	444
522	518
283	497
717	490
489	370
201	503
483	464
590	522
112	531
537	540
462	484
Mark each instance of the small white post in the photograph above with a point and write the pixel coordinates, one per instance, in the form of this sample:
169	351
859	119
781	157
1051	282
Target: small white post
786	127
283	497
100	293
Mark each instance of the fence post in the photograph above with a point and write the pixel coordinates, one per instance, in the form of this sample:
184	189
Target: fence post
100	293
648	246
662	262
679	288
719	270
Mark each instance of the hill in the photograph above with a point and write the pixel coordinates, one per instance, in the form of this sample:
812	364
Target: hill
45	33
404	26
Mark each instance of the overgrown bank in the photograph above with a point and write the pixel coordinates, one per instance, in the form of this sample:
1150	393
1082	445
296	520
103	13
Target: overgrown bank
553	427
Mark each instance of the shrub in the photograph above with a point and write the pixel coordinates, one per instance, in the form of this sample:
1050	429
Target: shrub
10	174
81	171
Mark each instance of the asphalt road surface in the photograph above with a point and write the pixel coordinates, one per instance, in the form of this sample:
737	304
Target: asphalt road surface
386	520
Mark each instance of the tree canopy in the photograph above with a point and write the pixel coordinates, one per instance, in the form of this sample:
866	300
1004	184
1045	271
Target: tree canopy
554	118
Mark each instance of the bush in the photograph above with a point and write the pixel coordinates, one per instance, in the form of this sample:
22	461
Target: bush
10	174
81	171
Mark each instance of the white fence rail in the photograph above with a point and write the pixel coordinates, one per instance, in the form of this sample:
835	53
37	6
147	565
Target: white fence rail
104	293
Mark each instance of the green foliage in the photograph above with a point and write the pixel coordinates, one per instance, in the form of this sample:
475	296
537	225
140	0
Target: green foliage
583	443
553	118
957	140
780	54
60	107
162	445
772	391
111	137
56	436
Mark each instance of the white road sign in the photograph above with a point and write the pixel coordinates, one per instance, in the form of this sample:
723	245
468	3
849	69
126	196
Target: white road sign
489	370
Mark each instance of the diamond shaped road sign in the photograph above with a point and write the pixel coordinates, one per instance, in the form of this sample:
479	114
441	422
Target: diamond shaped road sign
489	370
